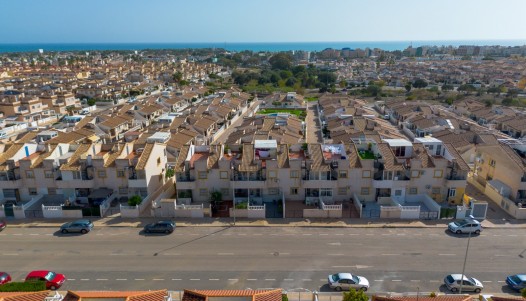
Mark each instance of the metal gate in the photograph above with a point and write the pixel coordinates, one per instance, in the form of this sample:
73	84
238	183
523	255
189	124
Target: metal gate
373	213
428	215
8	210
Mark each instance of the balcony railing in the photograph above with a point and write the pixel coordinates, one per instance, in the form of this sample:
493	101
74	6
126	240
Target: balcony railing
456	178
185	179
241	178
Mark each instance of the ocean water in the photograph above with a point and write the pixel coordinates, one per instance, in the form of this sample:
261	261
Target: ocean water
267	46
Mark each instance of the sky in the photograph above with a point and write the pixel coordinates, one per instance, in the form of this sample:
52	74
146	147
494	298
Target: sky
178	21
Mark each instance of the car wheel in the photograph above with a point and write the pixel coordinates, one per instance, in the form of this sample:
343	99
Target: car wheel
477	232
52	287
338	288
458	232
83	231
363	289
64	231
454	290
477	290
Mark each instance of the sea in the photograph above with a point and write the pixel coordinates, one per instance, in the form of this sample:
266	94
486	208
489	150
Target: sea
256	47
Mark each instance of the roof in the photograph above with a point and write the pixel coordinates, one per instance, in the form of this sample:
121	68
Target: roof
145	155
424	298
24	296
265	144
127	295
397	142
257	295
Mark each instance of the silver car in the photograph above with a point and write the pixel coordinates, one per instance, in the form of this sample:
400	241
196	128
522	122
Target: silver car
454	281
346	281
81	226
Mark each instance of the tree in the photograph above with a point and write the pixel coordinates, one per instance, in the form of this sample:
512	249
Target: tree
408	87
419	83
507	101
373	90
134	200
177	76
343	84
353	295
447	87
523	292
281	61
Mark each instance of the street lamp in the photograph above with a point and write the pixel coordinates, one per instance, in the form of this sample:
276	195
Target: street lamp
465	260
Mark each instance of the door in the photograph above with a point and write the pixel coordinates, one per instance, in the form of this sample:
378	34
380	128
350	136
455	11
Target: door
344	284
468	285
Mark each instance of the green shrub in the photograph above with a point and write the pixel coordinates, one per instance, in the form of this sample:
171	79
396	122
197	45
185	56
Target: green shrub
243	205
284	297
29	286
134	200
433	295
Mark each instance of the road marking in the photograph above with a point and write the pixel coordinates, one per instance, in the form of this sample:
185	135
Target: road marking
121	279
117	254
385	234
288	279
501	281
102	279
389	254
369	234
414	280
323	280
335	254
501	255
512	235
396	280
233	279
307	234
354	234
213	279
401	234
270	279
139	279
242	234
225	253
194	279
251	279
48	234
324	234
338	234
487	281
172	254
17	234
84	279
379	280
72	279
446	254
434	280
157	279
34	234
10	254
306	279
176	279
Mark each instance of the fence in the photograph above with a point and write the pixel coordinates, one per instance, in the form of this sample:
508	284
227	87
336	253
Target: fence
129	211
358	204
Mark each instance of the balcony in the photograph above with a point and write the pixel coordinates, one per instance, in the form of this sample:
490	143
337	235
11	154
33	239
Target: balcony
249	178
75	183
184	179
137	183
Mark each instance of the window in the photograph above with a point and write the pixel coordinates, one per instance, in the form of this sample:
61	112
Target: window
123	190
343	174
294	174
342	190
294	191
30	174
364	191
415	173
413	190
225	192
32	191
273	191
76	175
51	191
452	192
435	190
366	173
272	174
325	191
223	174
437	173
48	174
399	151
120	173
101	173
202	175
398	192
203	192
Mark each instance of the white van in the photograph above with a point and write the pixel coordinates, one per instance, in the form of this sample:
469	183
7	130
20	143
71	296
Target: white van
467	225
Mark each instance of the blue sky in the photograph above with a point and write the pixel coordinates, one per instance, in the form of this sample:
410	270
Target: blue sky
32	21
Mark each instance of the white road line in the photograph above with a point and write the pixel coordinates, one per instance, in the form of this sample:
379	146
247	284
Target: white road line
501	255
102	279
513	235
306	234
252	279
434	280
354	234
34	234
501	281
369	234
270	279
339	254
224	254
379	280
139	279
343	266
17	234
401	234
284	253
487	281
385	234
233	279
172	254
396	280
338	234
84	279
213	279
389	254
414	280
176	279
121	279
288	279
446	254
72	279
157	279
194	279
323	280
48	234
324	234
306	279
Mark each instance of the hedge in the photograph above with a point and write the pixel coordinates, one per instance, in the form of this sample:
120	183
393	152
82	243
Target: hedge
29	286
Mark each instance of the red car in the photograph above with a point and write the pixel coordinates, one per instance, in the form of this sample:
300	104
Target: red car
53	280
4	278
3	224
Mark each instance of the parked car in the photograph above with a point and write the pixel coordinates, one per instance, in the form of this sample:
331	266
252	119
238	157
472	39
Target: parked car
3	224
81	226
53	280
517	282
346	281
160	227
4	278
454	281
465	226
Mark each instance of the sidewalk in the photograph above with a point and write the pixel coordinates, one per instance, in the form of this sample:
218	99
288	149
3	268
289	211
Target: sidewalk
288	222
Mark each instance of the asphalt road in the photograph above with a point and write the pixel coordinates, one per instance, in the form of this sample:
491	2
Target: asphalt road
394	260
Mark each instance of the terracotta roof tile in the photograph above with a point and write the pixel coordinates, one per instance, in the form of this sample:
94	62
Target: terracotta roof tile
24	296
145	155
247	159
424	298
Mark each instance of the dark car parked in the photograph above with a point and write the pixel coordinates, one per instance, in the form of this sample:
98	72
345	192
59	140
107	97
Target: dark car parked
160	227
517	282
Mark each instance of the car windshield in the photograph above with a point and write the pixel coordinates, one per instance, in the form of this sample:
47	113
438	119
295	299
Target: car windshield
450	279
50	276
355	279
335	277
472	280
515	278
